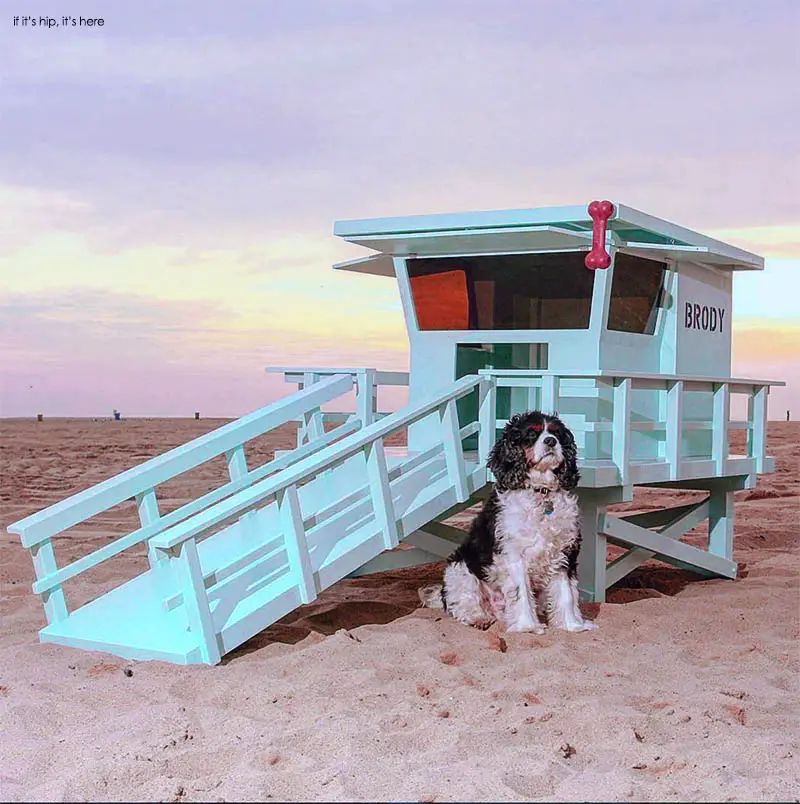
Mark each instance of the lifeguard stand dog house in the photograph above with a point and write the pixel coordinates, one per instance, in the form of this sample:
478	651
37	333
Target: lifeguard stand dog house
619	321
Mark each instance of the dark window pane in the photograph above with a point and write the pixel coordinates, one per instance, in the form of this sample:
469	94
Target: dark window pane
521	291
635	294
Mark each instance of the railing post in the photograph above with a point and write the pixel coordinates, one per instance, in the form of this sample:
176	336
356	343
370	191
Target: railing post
487	416
238	469
719	428
44	564
195	600
147	505
381	492
674	427
366	397
592	563
295	541
757	446
311	426
453	450
237	462
720	523
550	388
621	445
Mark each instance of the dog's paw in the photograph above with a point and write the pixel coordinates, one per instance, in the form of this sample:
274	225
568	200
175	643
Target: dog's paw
527	628
586	625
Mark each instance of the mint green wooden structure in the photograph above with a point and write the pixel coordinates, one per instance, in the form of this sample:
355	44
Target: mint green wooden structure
647	409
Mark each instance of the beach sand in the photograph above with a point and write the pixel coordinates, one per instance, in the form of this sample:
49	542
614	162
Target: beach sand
688	692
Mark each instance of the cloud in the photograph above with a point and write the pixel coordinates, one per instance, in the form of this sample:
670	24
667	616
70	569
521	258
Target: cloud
80	351
171	180
293	115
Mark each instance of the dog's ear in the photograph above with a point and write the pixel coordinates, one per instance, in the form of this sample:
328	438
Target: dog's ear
507	460
514	432
567	474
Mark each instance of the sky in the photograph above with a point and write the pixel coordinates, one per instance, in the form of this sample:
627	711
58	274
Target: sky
169	181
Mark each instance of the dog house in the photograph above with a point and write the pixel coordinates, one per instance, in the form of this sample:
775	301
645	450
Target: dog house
617	320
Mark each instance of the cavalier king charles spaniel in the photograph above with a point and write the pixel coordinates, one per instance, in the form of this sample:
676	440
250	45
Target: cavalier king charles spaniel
525	540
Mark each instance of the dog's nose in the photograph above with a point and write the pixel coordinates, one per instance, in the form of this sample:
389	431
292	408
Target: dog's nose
549	441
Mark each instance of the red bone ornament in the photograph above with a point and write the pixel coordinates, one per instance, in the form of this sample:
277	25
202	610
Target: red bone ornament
599	212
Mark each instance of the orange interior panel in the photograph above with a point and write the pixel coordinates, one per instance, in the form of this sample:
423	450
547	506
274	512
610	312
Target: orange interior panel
441	300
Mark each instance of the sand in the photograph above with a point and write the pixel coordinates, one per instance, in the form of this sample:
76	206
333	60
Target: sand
688	692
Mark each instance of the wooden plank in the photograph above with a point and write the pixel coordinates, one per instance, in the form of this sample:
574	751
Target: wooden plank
593	556
366	396
237	470
549	403
469	429
381	493
746	385
683	519
196	604
674	552
621	445
218	575
487	418
296	544
44	565
453	450
661	517
674	428
720	523
758	442
519	382
295	373
719	431
151	473
237	462
147	506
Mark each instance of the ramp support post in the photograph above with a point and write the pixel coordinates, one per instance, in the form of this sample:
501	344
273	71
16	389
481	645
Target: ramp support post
195	600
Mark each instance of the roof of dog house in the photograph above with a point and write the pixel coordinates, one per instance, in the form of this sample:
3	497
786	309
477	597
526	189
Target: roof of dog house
531	230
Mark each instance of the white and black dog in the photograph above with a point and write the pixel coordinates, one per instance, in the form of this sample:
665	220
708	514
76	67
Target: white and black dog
525	539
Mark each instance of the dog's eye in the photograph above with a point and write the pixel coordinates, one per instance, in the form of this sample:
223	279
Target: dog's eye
535	428
552	428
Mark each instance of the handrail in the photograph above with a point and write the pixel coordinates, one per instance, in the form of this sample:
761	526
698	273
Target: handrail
50	521
232	508
633	375
381	377
621	424
65	573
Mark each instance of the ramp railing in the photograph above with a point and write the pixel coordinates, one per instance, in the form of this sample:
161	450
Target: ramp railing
141	482
369	440
320	530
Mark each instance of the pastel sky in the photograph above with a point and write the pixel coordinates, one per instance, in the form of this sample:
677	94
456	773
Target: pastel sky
169	182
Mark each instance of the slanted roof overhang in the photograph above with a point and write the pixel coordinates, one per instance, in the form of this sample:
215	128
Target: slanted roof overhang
530	230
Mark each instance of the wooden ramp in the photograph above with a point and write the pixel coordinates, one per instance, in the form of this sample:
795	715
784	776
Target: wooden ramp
226	566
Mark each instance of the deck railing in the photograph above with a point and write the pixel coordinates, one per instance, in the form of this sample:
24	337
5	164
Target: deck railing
545	393
366	381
